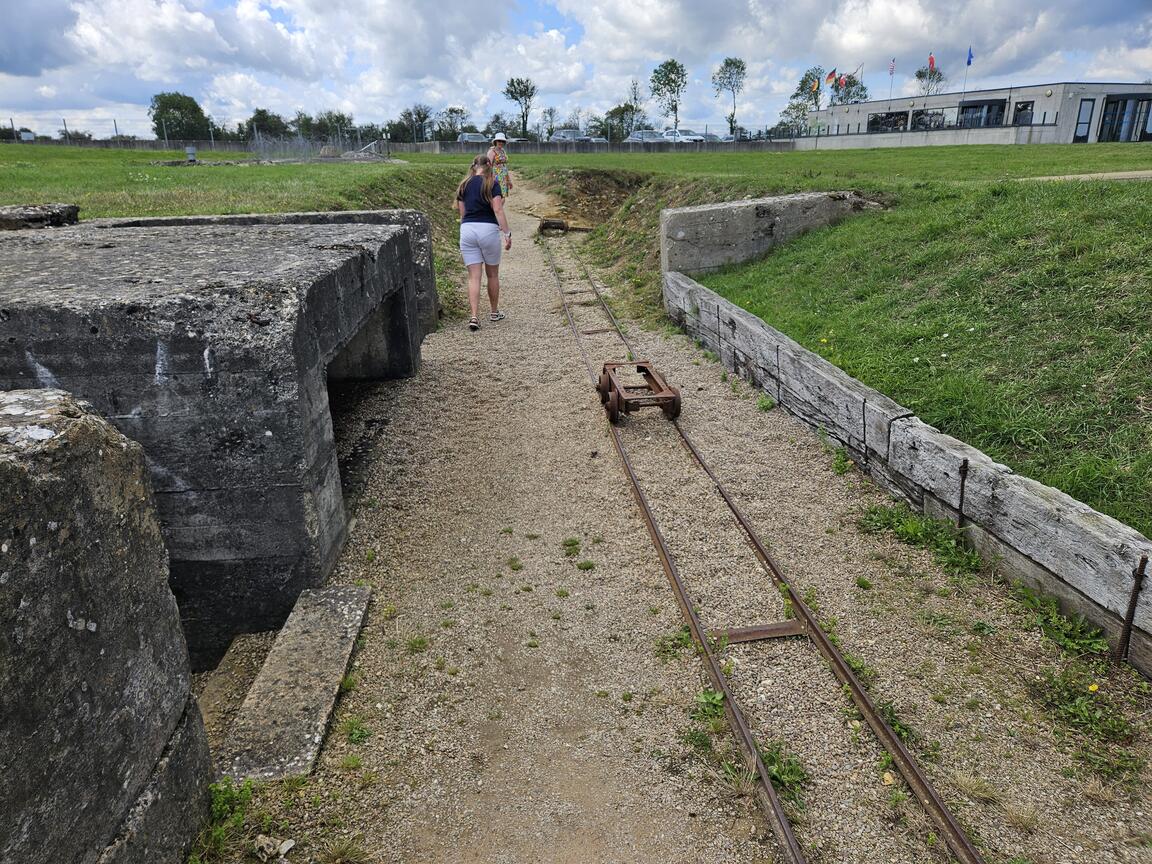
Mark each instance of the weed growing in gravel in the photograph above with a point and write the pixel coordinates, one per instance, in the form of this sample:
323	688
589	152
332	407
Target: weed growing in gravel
785	770
555	616
1022	817
506	530
976	788
740	779
864	583
439	663
562	593
533	643
531	536
388	612
1075	699
349	683
601	694
230	803
811	600
939	537
840	461
903	731
765	402
485	592
446	604
514	564
724	376
709	705
585	565
1074	635
865	673
351	763
669	646
627	697
698	740
370	555
571	547
448	623
345	850
416	645
354	729
786	597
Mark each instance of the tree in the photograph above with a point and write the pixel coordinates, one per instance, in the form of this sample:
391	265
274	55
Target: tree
852	90
450	123
521	91
668	83
575	119
931	81
729	78
415	118
264	122
331	125
551	117
74	135
176	115
809	89
794	118
302	124
500	122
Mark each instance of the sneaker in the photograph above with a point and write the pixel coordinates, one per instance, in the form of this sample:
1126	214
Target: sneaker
496	316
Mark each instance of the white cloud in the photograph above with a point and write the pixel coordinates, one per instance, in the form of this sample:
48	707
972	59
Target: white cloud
371	58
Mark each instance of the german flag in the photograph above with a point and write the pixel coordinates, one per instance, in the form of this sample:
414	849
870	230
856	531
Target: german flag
830	77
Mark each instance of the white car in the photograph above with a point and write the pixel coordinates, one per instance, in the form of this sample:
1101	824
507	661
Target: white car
682	136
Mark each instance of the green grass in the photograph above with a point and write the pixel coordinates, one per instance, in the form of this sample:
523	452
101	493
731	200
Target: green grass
937	536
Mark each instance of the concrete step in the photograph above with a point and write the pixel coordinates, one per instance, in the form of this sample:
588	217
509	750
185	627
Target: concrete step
280	727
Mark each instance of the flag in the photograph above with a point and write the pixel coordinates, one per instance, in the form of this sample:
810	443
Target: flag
969	55
843	81
815	84
931	63
891	67
830	77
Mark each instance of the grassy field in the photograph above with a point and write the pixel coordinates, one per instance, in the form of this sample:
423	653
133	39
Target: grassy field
1015	316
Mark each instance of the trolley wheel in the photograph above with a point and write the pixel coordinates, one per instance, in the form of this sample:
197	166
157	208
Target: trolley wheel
614	406
672	409
603	386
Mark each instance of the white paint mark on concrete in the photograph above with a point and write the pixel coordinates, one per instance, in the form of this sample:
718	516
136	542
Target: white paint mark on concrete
209	362
163	361
44	378
38	433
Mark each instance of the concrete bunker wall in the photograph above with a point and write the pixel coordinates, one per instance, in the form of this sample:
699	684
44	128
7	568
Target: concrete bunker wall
102	751
1032	532
210	343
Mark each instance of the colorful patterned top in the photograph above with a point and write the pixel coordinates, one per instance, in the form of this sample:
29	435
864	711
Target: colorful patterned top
499	157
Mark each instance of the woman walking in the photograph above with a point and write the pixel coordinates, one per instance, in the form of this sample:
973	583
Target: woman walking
480	203
499	158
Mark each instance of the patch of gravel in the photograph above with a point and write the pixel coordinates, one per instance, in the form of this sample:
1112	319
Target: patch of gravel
221	691
515	705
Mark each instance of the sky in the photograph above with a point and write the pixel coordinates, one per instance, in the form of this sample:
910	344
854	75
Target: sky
90	62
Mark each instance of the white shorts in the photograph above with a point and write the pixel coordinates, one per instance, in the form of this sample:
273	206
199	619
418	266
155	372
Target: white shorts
480	243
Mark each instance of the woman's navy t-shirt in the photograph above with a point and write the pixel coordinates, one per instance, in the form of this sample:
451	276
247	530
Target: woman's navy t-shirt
476	209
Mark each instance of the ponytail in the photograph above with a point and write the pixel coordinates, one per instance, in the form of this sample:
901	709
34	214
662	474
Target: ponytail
482	161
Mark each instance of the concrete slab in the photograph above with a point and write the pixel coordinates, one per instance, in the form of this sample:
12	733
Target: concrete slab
281	725
212	345
19	216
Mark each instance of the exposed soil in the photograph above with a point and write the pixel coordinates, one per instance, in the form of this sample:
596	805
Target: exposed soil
519	707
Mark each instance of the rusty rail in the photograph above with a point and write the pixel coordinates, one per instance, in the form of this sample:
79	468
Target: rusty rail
950	829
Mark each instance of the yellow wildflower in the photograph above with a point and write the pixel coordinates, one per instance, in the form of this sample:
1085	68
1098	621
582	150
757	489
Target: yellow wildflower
1092	688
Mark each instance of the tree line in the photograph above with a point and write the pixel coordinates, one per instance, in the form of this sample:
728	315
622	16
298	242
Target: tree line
178	116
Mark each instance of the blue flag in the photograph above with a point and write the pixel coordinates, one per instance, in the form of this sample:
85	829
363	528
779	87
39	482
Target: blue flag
969	55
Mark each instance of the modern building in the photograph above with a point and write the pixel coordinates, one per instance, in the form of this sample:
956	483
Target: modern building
1064	113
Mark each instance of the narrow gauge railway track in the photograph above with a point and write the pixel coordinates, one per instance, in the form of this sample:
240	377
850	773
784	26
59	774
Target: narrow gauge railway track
804	622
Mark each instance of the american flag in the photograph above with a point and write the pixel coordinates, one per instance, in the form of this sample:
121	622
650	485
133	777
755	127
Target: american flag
892	66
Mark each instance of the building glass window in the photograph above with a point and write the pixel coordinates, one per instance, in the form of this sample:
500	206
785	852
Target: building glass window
1084	121
1022	114
888	121
1126	118
977	115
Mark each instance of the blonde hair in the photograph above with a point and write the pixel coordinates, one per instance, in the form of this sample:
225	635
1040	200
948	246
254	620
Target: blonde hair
482	161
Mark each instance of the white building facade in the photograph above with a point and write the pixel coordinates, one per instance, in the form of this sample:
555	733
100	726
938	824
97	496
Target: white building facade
1063	113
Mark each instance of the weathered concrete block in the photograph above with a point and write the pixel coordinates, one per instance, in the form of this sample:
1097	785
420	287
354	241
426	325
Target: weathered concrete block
20	216
281	724
94	681
696	240
419	228
212	345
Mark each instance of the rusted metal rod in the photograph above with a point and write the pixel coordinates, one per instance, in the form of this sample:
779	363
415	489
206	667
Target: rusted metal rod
1138	575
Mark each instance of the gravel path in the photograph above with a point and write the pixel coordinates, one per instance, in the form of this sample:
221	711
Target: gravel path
515	706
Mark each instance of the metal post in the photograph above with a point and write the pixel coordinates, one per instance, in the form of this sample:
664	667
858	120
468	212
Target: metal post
1121	652
116	133
15	137
211	137
164	126
67	137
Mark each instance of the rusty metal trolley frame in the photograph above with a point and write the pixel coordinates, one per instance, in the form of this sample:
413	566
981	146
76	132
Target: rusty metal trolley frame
805	623
619	397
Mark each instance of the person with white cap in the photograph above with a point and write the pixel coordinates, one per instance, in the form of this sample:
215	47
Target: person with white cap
499	158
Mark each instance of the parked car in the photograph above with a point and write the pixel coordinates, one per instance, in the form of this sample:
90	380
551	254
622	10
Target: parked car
709	138
472	138
597	140
569	136
682	136
644	136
